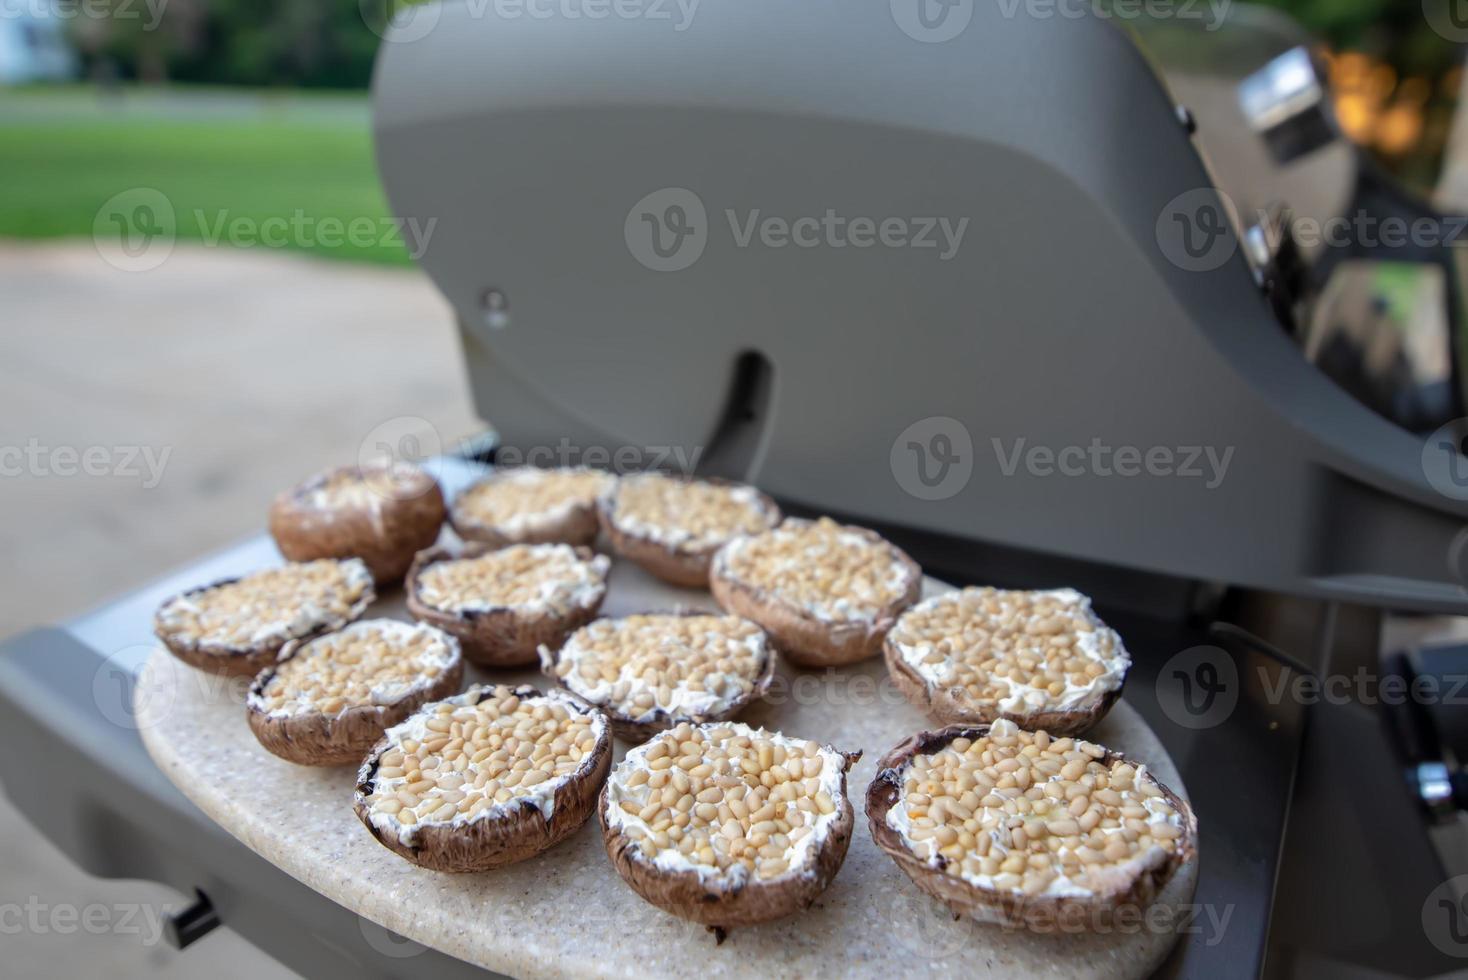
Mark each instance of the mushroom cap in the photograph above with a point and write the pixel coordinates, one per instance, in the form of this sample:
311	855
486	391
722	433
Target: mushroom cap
805	639
577	526
636	731
247	661
1041	913
953	705
520	832
316	739
504	636
726	904
683	565
386	529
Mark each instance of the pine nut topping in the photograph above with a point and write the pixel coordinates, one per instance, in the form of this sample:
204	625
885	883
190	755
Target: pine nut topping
526	499
271	606
684	667
373	662
742	814
368	486
477	755
1016	811
831	571
1022	651
688	515
528	577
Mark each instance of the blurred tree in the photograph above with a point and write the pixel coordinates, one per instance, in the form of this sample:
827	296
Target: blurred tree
305	43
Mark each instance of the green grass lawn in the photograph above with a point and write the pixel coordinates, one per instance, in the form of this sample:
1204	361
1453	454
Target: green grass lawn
229	164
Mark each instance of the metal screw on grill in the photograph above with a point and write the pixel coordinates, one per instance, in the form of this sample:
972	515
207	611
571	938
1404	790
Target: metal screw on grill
496	309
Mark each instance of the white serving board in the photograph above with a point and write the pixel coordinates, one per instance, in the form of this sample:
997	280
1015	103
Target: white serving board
566	913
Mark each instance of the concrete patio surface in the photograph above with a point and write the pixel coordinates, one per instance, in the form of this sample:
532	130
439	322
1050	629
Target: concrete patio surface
147	418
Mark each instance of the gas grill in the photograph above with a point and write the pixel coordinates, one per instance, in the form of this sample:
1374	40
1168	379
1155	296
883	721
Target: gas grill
1074	394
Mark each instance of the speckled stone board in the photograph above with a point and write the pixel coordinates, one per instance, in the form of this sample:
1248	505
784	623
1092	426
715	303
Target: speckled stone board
566	913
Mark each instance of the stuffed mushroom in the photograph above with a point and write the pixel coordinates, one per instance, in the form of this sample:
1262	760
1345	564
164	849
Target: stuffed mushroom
329	699
238	626
652	671
672	525
1044	660
1017	828
505	603
383	514
484	779
828	593
728	825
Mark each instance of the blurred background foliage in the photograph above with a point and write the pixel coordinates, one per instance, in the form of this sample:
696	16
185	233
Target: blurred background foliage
288	43
1396	79
272	93
330	43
